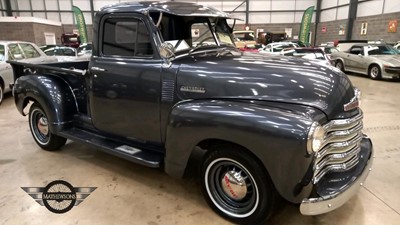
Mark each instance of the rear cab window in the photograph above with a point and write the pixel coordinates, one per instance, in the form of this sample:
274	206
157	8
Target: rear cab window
126	37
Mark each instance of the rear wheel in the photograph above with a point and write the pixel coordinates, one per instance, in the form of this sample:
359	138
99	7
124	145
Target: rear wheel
236	186
374	72
39	126
340	66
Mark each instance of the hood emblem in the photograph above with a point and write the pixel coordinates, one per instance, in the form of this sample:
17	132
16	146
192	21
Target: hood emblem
193	89
354	103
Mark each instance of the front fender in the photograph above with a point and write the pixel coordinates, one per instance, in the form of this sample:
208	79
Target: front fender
52	93
274	135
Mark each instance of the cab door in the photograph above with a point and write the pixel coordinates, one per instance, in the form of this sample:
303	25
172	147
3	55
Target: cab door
125	80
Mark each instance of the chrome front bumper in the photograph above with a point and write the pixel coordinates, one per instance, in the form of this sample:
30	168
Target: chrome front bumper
316	206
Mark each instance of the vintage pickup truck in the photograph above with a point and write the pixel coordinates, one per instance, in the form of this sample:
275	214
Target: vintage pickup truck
251	127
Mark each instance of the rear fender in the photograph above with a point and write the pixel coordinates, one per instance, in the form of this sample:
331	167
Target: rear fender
52	93
277	137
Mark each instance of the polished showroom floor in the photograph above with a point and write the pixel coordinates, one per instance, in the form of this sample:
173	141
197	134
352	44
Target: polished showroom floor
131	194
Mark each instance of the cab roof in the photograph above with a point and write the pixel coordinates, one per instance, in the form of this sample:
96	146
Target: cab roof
174	8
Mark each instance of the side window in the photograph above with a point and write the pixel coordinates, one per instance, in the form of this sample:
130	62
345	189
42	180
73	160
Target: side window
126	37
355	50
29	51
15	52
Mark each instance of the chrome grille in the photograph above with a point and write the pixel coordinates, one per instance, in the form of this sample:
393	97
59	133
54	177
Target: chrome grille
340	147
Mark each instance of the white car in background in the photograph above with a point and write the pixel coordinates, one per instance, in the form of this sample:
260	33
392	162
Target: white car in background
315	55
17	51
66	54
277	47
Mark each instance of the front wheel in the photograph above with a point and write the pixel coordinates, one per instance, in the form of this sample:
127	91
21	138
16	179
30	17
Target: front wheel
236	186
374	72
39	126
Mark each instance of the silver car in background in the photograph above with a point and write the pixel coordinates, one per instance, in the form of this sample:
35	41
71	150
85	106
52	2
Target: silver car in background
17	51
376	61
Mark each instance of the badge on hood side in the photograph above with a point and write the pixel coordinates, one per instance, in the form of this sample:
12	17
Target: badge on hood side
193	89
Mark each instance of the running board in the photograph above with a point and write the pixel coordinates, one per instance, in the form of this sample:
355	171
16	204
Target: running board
140	156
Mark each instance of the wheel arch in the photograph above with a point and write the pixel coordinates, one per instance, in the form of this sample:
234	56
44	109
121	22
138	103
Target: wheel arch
204	147
374	64
52	93
281	152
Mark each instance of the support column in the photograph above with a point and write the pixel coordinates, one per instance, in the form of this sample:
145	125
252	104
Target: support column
92	9
317	19
8	8
247	11
352	16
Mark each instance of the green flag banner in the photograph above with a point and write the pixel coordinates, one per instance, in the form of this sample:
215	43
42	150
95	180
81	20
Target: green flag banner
80	22
305	24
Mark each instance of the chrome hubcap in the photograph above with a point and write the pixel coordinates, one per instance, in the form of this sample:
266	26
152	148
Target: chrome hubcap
234	185
43	126
374	71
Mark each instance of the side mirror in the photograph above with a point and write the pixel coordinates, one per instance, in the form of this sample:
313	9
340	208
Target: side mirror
167	50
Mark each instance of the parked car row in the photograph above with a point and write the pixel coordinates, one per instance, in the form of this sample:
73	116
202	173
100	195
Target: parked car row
31	53
375	59
317	54
18	51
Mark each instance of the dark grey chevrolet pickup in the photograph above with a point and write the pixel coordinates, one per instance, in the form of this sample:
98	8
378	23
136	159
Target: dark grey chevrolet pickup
166	88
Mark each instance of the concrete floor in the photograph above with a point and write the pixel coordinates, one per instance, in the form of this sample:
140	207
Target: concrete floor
131	194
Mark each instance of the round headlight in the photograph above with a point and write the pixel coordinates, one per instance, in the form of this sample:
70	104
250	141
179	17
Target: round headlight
316	137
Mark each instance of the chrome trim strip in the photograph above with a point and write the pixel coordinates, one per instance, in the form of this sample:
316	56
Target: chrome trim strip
338	124
316	206
337	157
340	147
339	167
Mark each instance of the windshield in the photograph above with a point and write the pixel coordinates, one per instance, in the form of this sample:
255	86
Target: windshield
244	36
330	50
382	50
188	33
86	48
2	53
280	47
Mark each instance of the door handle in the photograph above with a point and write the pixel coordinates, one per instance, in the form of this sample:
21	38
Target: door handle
95	68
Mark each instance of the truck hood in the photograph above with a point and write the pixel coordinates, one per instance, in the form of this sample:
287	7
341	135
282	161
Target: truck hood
265	78
392	59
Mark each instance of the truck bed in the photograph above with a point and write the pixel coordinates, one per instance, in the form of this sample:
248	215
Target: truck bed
71	68
73	73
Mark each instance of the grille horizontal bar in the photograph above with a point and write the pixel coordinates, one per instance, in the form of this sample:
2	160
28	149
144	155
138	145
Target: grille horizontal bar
341	147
